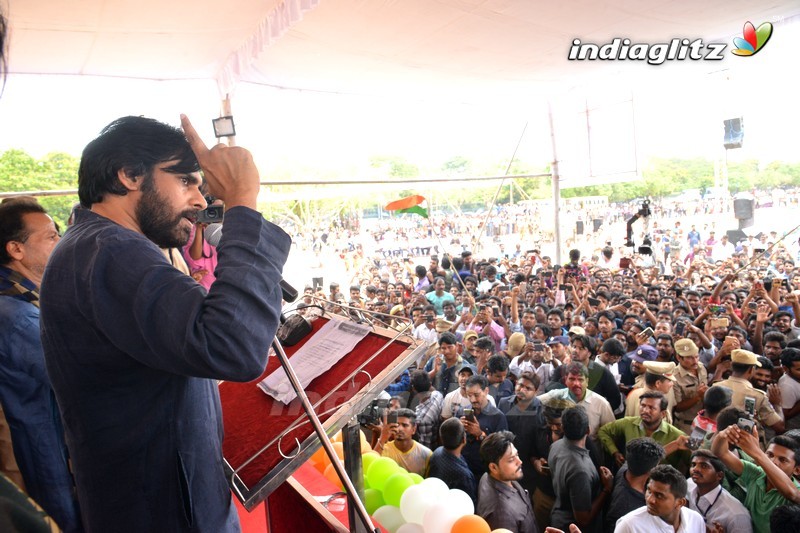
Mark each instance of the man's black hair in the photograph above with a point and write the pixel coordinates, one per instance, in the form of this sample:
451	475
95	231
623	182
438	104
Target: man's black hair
651	379
574	254
495	446
642	455
556	311
716	399
135	146
715	461
655	394
766	364
420	381
485	343
729	417
613	347
478	380
790	444
546	330
775	336
447	338
669	475
407	413
575	423
451	433
12	225
497	363
785	518
788	355
587	342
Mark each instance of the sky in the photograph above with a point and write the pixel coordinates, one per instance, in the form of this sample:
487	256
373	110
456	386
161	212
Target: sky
308	135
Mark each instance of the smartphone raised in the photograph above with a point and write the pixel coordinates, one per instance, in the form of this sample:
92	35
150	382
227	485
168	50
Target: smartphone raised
391	417
648	331
469	414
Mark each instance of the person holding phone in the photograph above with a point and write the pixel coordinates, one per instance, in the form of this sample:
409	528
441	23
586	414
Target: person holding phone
753	401
397	443
768	480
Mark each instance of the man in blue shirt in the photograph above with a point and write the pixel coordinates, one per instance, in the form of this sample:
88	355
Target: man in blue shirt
446	462
481	420
27	238
134	347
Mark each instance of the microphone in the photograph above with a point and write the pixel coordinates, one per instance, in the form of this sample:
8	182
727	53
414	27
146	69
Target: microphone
213	234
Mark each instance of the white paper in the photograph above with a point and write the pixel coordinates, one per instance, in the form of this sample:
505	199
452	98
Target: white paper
333	341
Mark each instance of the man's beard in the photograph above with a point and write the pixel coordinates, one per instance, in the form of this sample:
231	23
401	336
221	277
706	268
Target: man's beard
158	224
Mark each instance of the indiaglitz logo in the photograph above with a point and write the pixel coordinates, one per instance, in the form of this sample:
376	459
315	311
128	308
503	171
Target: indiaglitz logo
754	39
679	49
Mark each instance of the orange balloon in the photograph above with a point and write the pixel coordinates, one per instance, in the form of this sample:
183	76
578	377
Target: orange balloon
337	437
320	460
330	475
471	523
338	447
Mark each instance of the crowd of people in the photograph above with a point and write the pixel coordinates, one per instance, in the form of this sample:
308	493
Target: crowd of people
615	392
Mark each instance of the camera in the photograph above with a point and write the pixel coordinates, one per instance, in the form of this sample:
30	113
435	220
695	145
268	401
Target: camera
373	414
211	214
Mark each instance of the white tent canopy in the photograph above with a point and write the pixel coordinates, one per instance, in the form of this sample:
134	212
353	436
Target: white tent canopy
467	50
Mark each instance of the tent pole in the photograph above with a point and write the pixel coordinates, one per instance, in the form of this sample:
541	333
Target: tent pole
226	112
556	189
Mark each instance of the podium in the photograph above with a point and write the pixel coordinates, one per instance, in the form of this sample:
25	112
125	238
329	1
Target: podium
266	441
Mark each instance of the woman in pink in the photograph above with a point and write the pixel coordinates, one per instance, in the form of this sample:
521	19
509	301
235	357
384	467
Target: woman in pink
200	256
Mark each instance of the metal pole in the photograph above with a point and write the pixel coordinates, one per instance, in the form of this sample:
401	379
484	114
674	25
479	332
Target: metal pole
556	189
323	437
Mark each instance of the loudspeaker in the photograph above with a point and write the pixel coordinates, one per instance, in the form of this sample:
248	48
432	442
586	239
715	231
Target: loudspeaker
579	227
734	132
735	235
597	223
743	208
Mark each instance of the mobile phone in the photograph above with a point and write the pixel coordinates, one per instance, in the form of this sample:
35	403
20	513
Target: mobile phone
482	307
496	311
750	405
753	306
624	262
547	274
695	442
469	414
723	322
680	328
668	277
745	424
538	347
391	418
627	304
648	331
562	287
593	302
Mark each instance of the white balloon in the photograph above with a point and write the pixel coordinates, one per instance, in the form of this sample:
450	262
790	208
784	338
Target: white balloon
389	517
415	501
439	518
460	503
411	528
437	488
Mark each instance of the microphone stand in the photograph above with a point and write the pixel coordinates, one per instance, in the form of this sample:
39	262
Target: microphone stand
324	440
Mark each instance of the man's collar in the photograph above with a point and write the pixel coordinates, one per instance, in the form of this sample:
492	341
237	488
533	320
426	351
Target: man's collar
15	285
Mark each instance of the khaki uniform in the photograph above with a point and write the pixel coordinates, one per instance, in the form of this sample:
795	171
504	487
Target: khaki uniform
686	387
743	389
632	402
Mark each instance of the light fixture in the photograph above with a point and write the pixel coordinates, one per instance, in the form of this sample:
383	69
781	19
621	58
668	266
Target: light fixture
224	127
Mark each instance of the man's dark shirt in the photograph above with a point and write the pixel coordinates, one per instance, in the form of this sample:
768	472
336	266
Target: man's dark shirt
624	499
501	390
134	349
601	382
505	507
453	470
524	425
491	420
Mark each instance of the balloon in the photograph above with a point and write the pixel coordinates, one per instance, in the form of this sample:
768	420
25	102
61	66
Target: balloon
337	437
437	488
389	517
417	478
331	475
502	530
395	487
365	447
380	471
471	523
411	528
338	447
318	459
373	499
414	502
459	503
439	518
366	461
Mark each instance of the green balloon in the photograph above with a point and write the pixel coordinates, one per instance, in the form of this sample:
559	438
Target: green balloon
417	478
372	500
366	461
395	487
380	471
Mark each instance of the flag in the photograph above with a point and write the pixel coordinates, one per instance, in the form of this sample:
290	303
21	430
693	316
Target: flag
409	204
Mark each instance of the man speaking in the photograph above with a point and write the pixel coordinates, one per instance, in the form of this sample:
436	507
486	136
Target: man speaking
133	346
